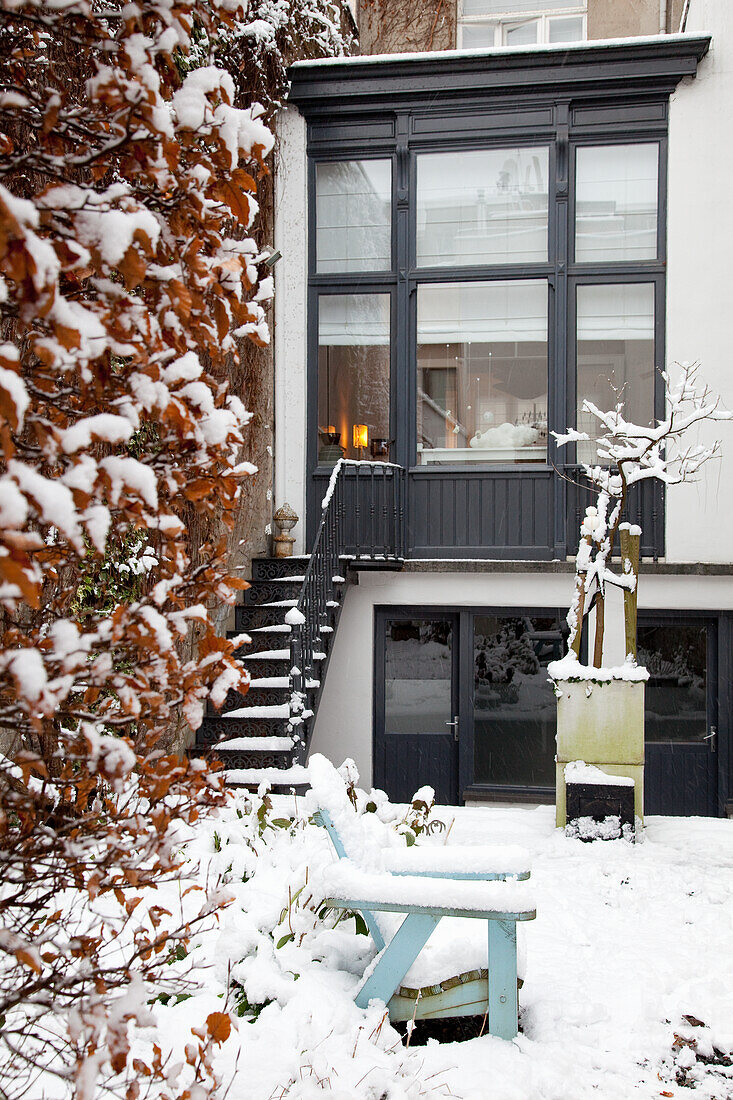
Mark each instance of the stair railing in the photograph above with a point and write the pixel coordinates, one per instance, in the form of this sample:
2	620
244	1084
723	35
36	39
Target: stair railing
362	519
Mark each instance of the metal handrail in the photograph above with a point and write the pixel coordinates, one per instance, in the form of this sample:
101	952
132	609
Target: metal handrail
324	574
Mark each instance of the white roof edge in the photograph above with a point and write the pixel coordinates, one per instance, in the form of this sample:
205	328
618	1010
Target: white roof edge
493	51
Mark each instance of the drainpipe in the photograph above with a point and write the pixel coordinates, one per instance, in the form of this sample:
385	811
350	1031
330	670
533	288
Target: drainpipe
683	20
662	16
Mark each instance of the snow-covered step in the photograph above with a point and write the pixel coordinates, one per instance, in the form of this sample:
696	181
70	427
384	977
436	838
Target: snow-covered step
279	682
293	776
286	580
279	710
267	655
280	603
256	744
278	628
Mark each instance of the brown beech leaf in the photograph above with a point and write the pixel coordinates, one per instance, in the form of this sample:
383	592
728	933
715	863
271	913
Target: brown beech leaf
219	1026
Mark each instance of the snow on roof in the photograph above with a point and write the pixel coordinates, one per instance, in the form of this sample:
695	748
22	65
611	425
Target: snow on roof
494	51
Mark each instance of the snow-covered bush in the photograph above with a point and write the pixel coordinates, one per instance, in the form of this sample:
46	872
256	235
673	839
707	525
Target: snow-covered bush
287	967
129	277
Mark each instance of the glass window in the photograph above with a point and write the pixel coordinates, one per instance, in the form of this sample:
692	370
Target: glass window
418	689
521	34
513	701
353	216
616	202
615	354
353	376
477	35
484	207
482	372
565	30
675	700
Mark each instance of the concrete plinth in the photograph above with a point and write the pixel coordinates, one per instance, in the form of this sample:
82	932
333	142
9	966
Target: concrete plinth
602	724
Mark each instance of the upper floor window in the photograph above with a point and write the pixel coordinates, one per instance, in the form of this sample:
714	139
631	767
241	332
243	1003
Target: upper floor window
354	216
616	202
484	206
486	23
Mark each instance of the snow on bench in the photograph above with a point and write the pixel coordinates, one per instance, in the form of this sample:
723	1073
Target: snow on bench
348	886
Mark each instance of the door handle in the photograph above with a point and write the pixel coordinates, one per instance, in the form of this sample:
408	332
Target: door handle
712	737
453	723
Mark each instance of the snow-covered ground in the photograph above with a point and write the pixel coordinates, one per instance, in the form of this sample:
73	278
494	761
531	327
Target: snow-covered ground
628	941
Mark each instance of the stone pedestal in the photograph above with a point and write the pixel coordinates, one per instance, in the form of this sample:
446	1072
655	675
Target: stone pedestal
602	724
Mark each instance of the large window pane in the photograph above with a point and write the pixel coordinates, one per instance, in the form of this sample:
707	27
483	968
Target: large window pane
353	216
615	354
522	34
418	676
675	701
482	372
477	35
353	376
616	202
565	30
513	701
482	207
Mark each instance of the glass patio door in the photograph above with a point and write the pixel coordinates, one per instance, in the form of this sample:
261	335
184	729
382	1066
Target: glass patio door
680	773
416	720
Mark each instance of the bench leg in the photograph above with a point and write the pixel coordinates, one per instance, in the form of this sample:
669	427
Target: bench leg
397	958
503	1007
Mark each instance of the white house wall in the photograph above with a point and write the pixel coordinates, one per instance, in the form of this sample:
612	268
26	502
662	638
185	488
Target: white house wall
344	723
700	237
291	280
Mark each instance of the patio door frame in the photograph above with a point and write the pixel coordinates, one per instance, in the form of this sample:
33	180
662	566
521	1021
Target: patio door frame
463	665
382	615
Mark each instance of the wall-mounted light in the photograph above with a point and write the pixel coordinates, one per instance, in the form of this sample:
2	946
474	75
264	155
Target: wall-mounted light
360	436
274	256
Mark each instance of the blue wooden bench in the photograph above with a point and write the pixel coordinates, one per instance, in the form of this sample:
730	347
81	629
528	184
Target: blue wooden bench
426	884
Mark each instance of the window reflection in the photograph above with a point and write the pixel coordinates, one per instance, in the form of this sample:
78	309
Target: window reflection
482	372
615	355
514	705
353	216
616	202
675	702
418	676
353	376
482	207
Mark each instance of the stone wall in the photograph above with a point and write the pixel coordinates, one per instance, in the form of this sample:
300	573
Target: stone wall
402	26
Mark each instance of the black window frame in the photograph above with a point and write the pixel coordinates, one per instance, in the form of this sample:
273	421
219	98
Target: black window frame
592	94
561	272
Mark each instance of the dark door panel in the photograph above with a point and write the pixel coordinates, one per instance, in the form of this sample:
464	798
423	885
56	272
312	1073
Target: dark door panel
409	761
679	780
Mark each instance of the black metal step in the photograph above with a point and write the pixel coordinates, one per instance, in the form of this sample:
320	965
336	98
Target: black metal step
214	728
263	641
255	697
249	617
266	569
271	591
240	758
269	666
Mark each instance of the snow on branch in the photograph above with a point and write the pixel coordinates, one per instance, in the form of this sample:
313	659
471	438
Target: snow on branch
629	454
